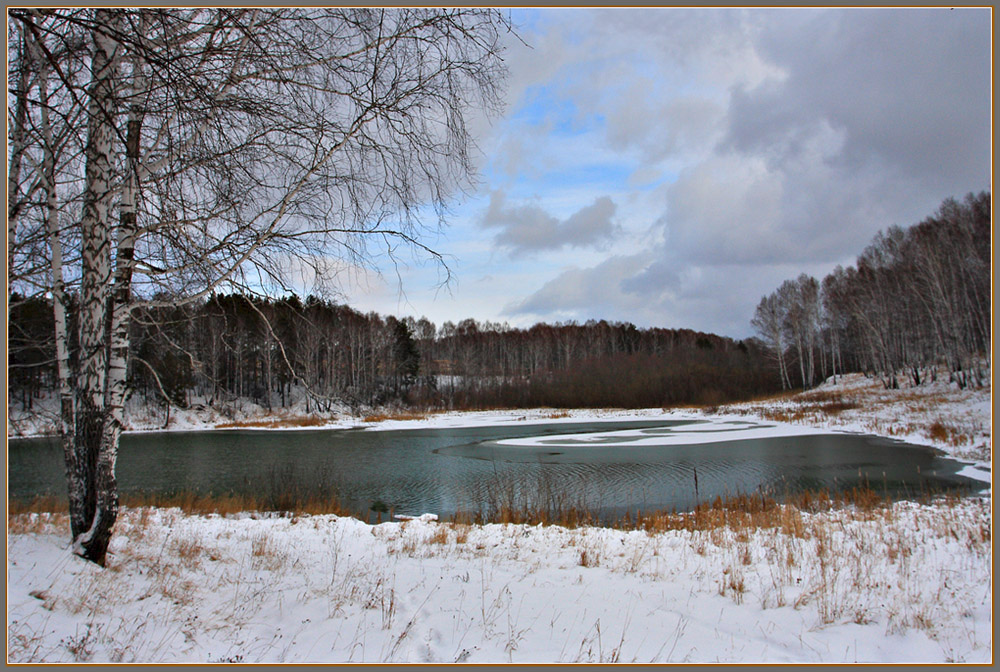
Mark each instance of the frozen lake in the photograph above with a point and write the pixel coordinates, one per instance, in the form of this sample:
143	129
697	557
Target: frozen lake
610	467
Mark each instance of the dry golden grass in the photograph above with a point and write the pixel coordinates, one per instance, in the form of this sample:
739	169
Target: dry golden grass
196	504
808	410
228	504
267	553
440	535
946	433
38	504
461	532
525	514
277	423
261	546
746	513
188	549
400	415
741	513
37	522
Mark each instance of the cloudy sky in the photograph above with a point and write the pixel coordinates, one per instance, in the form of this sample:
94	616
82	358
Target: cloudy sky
668	167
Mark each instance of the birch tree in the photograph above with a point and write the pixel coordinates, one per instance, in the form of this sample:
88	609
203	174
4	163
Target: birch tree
800	298
227	149
769	322
917	298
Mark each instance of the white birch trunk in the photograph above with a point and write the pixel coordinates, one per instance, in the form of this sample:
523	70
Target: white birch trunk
18	142
119	302
96	459
48	185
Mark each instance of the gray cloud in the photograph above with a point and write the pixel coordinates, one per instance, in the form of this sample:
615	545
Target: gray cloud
529	228
878	116
582	293
658	279
784	140
908	88
655	288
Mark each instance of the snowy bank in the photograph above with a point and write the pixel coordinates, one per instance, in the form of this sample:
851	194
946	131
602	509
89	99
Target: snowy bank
958	422
909	583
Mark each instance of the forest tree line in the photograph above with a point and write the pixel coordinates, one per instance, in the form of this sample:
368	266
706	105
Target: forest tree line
276	352
917	298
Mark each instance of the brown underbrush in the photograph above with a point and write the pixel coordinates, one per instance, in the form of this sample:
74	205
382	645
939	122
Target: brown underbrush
753	512
292	503
507	502
399	415
276	423
947	433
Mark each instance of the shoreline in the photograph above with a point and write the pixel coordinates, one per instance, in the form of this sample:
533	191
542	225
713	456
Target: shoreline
957	423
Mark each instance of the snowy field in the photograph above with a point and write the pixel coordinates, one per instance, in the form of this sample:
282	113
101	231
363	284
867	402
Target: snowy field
908	583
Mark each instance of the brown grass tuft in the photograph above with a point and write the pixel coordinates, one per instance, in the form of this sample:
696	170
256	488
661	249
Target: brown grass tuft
461	532
401	415
440	535
189	549
277	423
37	522
945	433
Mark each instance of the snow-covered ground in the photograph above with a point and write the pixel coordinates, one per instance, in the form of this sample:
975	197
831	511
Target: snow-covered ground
910	583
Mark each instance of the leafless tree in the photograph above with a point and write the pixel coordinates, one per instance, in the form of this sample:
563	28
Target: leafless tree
801	299
769	322
224	148
917	298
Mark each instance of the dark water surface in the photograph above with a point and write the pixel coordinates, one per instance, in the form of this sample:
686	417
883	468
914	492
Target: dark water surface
446	470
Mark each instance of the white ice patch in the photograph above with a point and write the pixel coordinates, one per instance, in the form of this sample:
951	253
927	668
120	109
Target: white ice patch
977	473
710	431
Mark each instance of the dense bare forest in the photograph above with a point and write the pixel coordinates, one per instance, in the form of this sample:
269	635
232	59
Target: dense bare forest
917	298
277	352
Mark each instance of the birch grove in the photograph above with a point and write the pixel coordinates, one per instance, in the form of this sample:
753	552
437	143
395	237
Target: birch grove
917	299
159	155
